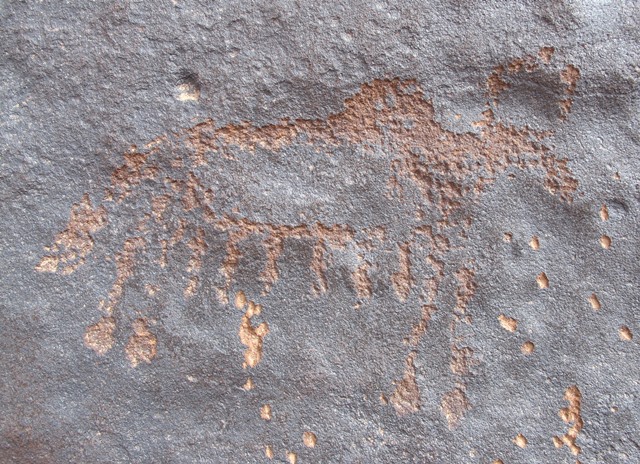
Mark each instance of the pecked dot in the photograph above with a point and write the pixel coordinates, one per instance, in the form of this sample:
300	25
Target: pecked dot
188	87
534	243
605	242
527	347
265	412
542	280
248	385
268	452
520	440
508	323
240	300
625	333
309	439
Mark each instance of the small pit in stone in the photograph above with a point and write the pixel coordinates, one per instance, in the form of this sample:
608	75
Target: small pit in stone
625	333
188	86
265	412
542	280
268	452
534	243
528	347
240	300
508	323
309	439
248	385
595	302
605	242
520	441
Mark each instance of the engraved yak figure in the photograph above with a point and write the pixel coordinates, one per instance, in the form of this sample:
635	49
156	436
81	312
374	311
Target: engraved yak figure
181	190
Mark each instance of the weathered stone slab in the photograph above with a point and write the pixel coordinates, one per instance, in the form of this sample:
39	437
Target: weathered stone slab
335	232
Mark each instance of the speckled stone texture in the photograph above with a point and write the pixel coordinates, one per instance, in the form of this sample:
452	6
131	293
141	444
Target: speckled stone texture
320	232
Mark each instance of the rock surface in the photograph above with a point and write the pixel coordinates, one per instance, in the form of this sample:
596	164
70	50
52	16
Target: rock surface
320	232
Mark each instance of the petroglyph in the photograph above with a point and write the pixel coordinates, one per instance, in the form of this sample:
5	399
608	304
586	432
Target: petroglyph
421	328
571	415
625	333
198	247
534	243
546	53
521	441
403	280
508	323
252	337
249	384
125	261
265	412
454	405
179	187
71	246
528	347
594	301
309	439
570	76
605	242
362	282
462	360
406	397
99	336
496	83
142	345
542	280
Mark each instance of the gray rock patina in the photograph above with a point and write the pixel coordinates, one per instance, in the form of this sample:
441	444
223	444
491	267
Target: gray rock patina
320	232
